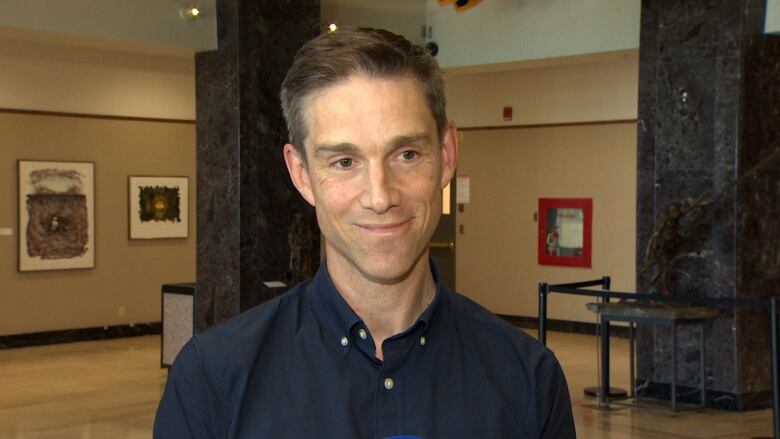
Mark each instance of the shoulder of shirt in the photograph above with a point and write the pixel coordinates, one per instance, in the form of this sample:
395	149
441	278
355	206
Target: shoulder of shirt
241	333
227	352
483	324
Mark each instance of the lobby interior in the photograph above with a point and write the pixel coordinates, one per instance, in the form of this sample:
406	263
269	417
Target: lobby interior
630	104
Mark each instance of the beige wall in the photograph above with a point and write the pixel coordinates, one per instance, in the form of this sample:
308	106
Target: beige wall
510	170
127	273
603	87
49	75
149	22
44	73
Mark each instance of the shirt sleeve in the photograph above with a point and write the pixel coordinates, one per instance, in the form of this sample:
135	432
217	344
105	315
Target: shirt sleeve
553	401
191	406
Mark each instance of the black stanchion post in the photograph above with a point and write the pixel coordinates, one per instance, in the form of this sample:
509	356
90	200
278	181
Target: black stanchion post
544	290
775	395
598	391
604	397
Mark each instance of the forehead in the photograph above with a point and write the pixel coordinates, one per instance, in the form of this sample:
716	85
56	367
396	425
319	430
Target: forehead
366	110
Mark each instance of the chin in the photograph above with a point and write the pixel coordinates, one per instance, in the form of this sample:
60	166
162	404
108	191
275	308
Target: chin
387	269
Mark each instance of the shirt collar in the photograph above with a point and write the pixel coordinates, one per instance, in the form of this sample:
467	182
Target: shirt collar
339	318
329	306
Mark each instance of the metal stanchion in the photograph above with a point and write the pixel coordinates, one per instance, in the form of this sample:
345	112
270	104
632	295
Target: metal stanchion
604	388
544	290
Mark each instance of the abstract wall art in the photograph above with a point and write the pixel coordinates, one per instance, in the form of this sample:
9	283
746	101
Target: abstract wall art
158	207
56	215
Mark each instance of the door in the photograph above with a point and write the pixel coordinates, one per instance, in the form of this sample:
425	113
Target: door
443	240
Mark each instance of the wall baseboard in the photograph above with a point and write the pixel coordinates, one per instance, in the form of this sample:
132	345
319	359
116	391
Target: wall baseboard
81	334
569	326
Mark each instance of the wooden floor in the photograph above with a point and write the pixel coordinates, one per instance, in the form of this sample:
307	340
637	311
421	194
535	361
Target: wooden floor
110	389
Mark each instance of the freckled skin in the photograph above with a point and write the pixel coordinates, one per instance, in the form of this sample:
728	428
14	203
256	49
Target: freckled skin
390	174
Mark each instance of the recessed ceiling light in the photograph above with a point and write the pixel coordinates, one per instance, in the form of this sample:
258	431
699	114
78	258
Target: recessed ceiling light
191	12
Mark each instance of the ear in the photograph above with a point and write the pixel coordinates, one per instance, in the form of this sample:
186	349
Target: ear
449	154
299	174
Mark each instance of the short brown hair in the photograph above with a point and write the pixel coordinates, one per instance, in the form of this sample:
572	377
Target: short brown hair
335	56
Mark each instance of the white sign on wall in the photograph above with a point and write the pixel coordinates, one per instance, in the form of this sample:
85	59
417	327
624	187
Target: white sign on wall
464	189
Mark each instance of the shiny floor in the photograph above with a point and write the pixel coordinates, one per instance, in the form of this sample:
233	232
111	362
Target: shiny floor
109	389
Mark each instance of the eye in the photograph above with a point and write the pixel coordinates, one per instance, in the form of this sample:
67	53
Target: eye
344	163
409	155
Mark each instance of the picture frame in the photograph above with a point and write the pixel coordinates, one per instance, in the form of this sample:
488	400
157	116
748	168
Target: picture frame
565	231
158	207
56	215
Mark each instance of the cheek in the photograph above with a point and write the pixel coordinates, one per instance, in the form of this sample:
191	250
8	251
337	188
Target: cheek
333	195
423	184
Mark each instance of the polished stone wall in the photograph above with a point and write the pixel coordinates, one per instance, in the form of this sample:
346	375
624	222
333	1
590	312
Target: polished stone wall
758	221
246	203
706	117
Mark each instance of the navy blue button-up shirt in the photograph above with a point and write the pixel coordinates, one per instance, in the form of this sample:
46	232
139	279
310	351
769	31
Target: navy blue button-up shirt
303	366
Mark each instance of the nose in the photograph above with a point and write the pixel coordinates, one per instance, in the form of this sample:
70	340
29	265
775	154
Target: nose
380	192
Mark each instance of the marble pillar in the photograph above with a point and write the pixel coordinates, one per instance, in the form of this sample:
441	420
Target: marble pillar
246	203
709	93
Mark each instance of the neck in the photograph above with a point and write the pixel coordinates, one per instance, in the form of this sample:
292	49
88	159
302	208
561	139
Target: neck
386	308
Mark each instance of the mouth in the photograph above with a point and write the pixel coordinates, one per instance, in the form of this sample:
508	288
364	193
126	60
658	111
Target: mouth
382	229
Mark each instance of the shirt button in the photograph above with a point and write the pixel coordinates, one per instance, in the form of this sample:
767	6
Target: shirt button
422	341
344	341
362	333
389	383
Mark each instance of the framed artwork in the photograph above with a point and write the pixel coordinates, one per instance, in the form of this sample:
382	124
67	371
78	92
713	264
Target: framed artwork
56	215
565	231
158	207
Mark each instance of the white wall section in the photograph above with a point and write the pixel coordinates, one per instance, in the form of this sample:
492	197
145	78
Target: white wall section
772	17
498	31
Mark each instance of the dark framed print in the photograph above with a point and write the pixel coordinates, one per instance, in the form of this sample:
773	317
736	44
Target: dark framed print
565	231
158	207
56	215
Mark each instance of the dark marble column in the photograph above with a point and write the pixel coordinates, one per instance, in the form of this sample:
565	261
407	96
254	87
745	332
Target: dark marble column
246	203
709	90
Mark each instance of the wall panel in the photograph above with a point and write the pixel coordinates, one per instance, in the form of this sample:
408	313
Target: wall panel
127	273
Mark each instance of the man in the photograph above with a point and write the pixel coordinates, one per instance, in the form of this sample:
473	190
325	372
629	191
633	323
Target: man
373	346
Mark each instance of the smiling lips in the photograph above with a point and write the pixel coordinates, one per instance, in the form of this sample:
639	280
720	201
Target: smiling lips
384	229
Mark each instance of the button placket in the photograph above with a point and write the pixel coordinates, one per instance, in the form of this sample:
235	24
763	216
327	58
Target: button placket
390	396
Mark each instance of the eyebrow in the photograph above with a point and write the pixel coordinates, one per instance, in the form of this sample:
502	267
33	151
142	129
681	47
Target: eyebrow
412	138
346	147
327	148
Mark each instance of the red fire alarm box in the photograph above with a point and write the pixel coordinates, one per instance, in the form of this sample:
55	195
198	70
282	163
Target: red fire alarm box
507	113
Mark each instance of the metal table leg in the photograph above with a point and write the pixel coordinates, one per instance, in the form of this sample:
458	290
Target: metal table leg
701	366
674	366
631	360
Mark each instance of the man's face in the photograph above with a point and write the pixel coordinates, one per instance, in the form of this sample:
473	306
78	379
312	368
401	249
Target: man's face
375	169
